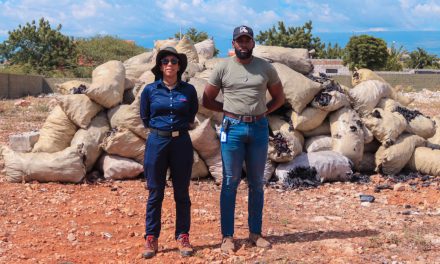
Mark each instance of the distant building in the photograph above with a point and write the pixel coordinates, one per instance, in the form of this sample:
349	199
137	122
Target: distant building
330	67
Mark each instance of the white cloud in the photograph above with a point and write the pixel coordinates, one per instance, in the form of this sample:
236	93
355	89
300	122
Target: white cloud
427	10
376	29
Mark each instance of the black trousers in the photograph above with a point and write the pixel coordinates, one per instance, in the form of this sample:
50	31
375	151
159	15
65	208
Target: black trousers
162	153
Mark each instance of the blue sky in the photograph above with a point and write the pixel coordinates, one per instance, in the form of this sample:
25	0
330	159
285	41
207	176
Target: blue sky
145	21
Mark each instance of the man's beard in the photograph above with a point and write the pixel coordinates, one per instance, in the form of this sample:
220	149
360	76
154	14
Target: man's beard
242	55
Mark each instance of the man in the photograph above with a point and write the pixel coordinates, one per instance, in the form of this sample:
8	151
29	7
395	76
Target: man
244	80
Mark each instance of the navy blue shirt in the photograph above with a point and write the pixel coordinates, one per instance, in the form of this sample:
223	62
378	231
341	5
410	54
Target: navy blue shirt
168	110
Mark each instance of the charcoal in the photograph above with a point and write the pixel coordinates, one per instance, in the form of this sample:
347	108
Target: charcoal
404	177
81	89
291	128
381	187
302	178
280	144
360	178
407	113
323	98
376	114
366	198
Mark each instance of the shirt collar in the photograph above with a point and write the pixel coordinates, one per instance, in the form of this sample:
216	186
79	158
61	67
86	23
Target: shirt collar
162	84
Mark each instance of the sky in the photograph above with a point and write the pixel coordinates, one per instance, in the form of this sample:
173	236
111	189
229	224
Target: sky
149	20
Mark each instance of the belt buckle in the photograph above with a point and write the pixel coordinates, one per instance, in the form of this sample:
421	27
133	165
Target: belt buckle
247	118
175	133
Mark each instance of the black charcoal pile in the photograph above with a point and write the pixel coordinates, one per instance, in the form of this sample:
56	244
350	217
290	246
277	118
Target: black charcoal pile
81	89
280	144
407	113
301	178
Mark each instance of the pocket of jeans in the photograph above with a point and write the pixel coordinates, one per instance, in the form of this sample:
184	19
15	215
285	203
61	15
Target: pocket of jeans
262	123
232	121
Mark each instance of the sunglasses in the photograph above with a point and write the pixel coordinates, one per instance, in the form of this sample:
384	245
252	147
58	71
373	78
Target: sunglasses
166	61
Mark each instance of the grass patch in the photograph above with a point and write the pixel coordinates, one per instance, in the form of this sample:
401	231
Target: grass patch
375	242
417	239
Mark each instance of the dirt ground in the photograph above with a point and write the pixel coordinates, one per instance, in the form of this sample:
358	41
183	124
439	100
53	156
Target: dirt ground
104	222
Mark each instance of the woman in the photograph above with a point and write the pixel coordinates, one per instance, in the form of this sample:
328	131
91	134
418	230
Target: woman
168	108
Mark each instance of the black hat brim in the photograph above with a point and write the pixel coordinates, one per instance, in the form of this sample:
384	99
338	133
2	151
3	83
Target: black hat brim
183	63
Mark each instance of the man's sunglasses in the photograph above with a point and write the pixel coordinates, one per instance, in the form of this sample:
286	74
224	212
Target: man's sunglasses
166	61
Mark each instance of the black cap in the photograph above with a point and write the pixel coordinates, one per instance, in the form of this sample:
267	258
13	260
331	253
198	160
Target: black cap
243	31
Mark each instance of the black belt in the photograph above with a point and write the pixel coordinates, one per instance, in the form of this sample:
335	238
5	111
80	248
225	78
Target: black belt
245	118
163	133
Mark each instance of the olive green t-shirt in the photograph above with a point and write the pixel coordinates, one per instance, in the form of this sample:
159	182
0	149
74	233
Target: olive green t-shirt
244	86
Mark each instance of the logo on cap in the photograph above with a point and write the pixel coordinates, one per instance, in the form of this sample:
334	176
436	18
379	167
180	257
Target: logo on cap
244	30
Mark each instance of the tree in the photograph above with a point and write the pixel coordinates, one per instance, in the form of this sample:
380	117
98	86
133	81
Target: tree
39	48
332	52
196	37
100	49
291	37
394	61
420	59
365	51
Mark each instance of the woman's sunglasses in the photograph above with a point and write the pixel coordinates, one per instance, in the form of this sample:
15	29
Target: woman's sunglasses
166	61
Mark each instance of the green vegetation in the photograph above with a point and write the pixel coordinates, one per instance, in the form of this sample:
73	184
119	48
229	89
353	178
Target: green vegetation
196	37
97	50
421	59
292	37
37	48
395	58
366	52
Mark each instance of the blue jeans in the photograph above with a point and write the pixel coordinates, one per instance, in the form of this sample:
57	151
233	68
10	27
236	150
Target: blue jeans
246	142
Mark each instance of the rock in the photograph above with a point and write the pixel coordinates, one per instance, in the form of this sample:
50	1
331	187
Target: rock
23	142
22	103
71	237
399	187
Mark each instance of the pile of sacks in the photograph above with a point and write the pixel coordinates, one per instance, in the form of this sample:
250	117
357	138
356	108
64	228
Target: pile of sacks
325	128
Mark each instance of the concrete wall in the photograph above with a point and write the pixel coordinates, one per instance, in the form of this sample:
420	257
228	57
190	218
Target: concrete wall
15	86
51	83
415	81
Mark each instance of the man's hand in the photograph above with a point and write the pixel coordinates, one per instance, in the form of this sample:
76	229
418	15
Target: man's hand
209	96
278	97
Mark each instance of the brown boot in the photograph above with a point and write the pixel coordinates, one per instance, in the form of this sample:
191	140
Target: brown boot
185	247
151	246
259	241
227	244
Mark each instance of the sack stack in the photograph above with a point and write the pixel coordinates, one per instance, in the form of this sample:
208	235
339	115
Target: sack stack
323	129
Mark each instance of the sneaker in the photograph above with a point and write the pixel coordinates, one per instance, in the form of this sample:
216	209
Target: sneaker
227	244
185	247
259	241
151	246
